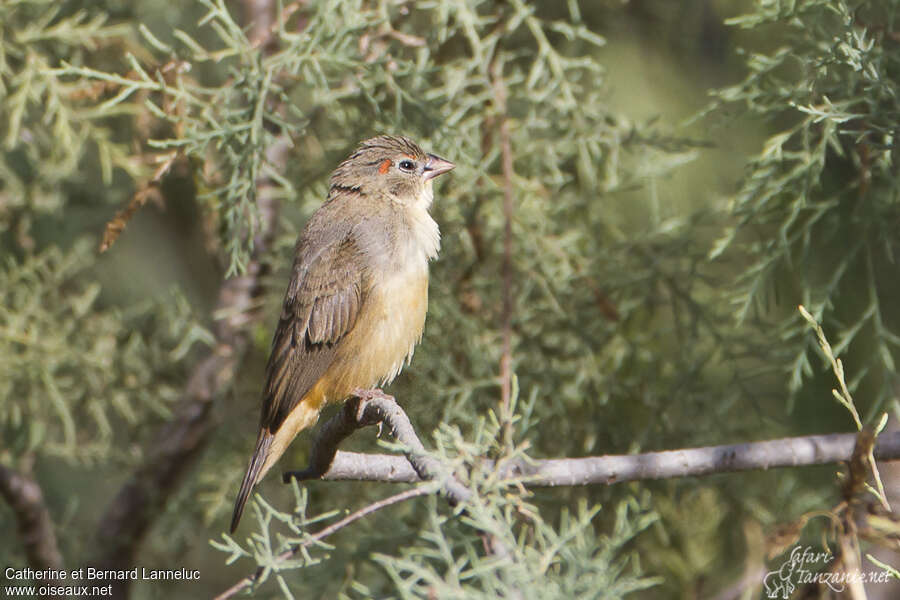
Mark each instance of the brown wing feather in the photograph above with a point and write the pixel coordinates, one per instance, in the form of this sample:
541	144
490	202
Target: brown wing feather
320	307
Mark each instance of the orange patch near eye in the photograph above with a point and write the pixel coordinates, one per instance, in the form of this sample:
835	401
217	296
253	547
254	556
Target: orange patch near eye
383	168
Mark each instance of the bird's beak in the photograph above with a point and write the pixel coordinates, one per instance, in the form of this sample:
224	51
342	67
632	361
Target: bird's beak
436	166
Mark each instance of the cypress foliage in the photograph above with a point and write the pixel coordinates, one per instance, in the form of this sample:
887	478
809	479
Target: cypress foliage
634	320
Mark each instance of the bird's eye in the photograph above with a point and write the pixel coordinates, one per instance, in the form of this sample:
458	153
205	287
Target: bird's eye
407	165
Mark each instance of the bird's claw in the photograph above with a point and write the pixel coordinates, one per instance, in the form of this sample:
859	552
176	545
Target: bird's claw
365	396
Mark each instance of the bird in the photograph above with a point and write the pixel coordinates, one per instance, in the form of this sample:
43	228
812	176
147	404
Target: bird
355	305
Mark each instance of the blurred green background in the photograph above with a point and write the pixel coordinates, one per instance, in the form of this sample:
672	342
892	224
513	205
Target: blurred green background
686	174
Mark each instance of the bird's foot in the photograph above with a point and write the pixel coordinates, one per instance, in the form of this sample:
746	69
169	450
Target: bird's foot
366	396
369	394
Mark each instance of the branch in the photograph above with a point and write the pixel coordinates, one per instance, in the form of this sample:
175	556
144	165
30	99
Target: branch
35	527
690	462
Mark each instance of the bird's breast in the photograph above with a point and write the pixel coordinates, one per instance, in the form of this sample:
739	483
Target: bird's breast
389	326
399	316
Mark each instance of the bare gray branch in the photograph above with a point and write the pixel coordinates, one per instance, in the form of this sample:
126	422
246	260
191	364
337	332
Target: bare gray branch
786	452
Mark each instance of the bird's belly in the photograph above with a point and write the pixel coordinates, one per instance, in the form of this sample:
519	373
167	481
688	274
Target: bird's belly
389	325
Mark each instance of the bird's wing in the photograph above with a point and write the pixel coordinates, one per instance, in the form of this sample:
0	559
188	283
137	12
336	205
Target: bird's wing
320	308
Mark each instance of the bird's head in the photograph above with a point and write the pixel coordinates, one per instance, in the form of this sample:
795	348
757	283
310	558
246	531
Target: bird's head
391	166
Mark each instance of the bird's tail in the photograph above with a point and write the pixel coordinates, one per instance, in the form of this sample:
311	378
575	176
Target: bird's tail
253	474
270	446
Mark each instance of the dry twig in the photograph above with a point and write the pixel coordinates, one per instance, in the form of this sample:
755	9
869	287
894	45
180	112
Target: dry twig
506	160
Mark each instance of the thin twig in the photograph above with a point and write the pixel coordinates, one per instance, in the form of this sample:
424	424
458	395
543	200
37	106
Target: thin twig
323	533
506	160
363	512
146	191
843	396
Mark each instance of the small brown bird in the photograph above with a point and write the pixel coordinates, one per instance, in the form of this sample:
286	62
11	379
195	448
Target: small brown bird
355	307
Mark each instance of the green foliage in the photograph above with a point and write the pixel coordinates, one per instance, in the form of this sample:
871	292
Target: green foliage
76	376
816	213
566	561
221	125
47	137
